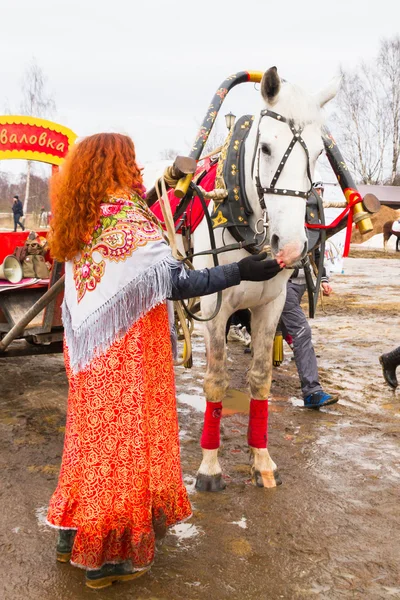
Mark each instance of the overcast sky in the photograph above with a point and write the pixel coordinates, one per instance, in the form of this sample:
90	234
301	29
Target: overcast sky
150	68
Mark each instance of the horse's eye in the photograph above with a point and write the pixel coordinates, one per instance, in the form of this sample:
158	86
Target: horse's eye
265	149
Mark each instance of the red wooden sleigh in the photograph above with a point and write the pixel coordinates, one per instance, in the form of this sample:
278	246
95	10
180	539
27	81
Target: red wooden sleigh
31	310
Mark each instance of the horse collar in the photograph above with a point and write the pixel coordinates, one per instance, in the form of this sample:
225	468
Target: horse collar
234	212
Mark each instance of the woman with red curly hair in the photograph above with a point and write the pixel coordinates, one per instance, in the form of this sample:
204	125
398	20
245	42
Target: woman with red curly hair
120	483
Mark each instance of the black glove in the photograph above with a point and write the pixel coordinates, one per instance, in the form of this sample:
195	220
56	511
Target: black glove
255	268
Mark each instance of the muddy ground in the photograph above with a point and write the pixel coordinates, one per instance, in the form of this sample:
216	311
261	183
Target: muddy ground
331	531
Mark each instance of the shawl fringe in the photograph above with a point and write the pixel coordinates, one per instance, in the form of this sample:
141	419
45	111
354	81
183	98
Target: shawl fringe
114	319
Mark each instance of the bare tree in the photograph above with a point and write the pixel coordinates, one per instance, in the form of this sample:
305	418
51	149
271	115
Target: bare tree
215	140
36	102
389	65
362	122
169	154
368	116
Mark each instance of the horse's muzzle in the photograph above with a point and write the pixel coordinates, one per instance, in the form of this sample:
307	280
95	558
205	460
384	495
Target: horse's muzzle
291	253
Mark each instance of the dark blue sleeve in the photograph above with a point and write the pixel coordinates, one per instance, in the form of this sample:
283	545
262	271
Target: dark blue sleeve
201	283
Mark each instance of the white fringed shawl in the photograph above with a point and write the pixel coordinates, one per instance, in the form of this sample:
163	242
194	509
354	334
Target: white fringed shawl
122	272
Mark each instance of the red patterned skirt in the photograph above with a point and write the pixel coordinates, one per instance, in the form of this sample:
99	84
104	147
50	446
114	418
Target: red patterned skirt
120	482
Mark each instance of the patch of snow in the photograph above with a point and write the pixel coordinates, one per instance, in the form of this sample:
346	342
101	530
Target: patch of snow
185	531
190	483
296	401
242	523
41	514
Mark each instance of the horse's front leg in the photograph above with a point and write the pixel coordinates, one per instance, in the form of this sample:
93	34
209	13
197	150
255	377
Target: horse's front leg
209	476
264	322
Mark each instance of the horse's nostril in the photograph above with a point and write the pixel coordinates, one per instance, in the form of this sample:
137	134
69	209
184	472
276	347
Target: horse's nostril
275	243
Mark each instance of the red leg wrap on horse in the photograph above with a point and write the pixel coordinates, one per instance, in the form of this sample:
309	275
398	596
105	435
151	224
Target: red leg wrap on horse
257	435
212	419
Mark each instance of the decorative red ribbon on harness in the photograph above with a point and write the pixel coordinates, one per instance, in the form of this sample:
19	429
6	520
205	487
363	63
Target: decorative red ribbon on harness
353	197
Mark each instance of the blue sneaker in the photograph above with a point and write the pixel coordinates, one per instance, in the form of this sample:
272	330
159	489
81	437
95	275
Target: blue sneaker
318	399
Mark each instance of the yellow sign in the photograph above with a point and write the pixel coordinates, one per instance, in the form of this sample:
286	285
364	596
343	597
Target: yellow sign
30	138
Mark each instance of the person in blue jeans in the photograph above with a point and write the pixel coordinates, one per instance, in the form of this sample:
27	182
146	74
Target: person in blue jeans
295	323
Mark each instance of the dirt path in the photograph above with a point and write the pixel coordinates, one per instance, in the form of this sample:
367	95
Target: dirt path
331	531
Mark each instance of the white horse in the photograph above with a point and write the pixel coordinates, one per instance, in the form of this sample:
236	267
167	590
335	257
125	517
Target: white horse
271	135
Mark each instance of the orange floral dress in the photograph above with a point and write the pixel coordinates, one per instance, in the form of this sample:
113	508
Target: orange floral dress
120	483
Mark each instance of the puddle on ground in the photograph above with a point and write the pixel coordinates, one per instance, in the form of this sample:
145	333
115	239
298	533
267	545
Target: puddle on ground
392	407
194	400
234	402
371	455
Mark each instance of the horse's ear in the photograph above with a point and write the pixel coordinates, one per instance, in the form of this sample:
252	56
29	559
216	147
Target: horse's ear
329	91
270	85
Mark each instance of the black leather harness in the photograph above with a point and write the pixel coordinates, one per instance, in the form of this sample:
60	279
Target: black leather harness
234	211
296	138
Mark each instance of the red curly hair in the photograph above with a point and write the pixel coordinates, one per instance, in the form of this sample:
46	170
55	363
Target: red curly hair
99	165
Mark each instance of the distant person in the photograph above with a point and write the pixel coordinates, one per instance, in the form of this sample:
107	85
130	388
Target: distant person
43	217
318	188
18	213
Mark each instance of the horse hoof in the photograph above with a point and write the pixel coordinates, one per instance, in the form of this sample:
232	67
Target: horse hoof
266	479
210	483
277	477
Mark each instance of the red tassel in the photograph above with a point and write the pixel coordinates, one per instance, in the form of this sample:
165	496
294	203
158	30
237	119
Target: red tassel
257	435
353	197
210	438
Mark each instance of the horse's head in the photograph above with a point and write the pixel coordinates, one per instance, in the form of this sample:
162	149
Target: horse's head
288	144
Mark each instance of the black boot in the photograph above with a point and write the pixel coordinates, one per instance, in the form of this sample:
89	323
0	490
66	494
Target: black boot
109	573
64	545
390	362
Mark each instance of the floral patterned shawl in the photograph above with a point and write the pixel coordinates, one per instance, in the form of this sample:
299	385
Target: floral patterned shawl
121	273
